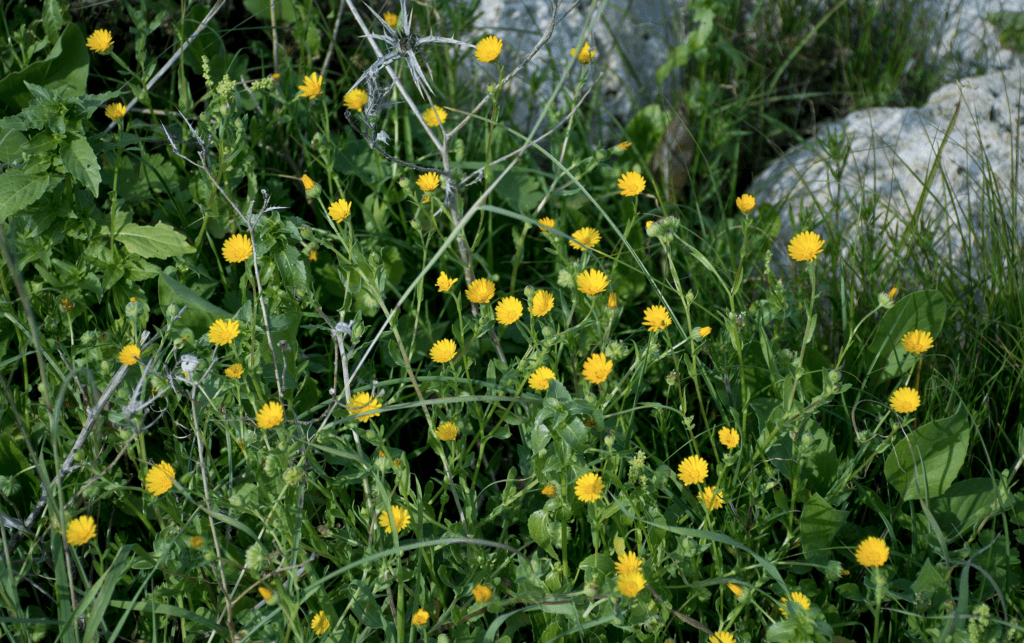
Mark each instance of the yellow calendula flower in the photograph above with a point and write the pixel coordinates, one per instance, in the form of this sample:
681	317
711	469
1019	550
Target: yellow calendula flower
589	487
917	341
356	100
265	592
631	584
796	597
320	624
488	49
420	617
312	256
312	86
805	246
656	318
585	55
160	479
508	311
628	562
237	248
435	116
705	331
129	355
624	145
722	637
542	303
905	400
745	203
81	530
585	238
480	291
548	490
339	210
613	300
631	184
712	498
443	351
734	588
222	332
308	183
597	368
391	19
402	519
482	593
195	542
892	293
872	552
729	438
547	224
591	282
363	403
444	282
539	378
115	111
428	182
234	371
270	415
447	431
99	41
693	470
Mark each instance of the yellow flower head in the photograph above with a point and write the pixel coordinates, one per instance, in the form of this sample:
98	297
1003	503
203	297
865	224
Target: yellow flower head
391	19
428	182
313	255
631	184
548	490
234	371
443	351
745	203
420	617
631	584
712	498
195	542
401	519
160	479
591	282
805	246
628	562
586	54
704	332
488	49
734	588
542	303
447	431
265	592
693	470
444	282
363	403
624	145
729	438
508	311
585	237
434	116
656	318
872	552
589	487
482	593
223	332
129	355
81	530
320	623
99	41
115	111
270	415
539	378
480	291
892	293
237	248
613	300
597	368
339	210
308	183
722	637
796	597
905	400
356	100
917	341
547	224
312	86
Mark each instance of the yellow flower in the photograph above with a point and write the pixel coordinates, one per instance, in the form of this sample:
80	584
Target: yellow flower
356	99
428	182
796	597
693	470
160	479
265	592
508	311
445	283
81	530
547	224
480	291
443	351
548	490
312	86
69	305
722	637
631	584
628	562
872	552
917	341
488	49
420	617
237	249
129	355
447	431
586	54
115	111
805	246
704	332
624	145
539	378
99	41
591	282
401	519
905	400
587	237
892	293
271	415
729	438
656	318
434	116
745	203
734	588
631	184
223	332
308	183
589	487
482	593
543	302
320	624
339	210
597	368
234	371
711	498
362	403
195	542
391	19
613	300
313	256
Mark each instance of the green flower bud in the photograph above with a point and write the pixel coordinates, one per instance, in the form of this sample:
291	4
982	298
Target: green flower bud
256	557
616	351
293	476
564	279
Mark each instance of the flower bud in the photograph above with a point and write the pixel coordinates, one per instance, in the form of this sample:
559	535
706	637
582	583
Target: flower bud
255	557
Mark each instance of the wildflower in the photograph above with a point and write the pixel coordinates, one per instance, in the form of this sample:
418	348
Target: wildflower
722	637
745	203
548	490
917	341
223	332
892	293
420	617
115	111
307	183
265	592
734	588
586	237
391	19
480	291
320	624
589	487
805	246
693	470
100	41
649	224
508	311
796	597
234	371
129	355
542	303
444	282
547	224
271	415
624	145
631	584
585	55
237	249
704	332
482	593
312	86
69	305
428	182
488	49
195	542
905	400
362	403
160	479
81	530
597	368
443	351
539	378
356	99
628	562
712	498
729	438
435	116
447	431
401	519
613	300
872	552
312	256
656	318
591	282
339	210
631	184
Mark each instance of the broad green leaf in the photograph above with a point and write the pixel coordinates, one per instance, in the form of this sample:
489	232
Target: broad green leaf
261	9
967	502
819	523
885	357
67	67
11	142
18	190
925	463
80	161
173	611
159	241
200	313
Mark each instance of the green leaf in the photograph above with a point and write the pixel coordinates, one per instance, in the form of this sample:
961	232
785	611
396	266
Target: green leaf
200	313
261	9
159	241
926	462
66	68
1011	28
967	502
19	190
173	611
80	161
885	357
819	523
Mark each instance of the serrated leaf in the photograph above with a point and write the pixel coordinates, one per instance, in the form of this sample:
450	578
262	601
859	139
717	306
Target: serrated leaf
80	161
159	241
19	190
